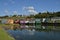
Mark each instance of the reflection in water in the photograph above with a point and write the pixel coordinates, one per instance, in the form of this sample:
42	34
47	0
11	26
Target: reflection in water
28	32
34	35
20	27
31	27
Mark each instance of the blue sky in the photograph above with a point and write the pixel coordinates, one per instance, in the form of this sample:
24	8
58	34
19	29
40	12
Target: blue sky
25	7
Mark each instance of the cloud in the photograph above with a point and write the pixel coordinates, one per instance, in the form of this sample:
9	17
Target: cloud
30	9
12	1
6	11
9	1
15	12
5	3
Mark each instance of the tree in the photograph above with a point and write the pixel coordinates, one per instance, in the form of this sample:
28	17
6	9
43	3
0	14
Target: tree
14	15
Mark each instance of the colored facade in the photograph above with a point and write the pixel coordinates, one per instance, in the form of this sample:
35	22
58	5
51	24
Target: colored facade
10	21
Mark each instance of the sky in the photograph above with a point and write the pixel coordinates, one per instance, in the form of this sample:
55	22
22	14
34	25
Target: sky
27	7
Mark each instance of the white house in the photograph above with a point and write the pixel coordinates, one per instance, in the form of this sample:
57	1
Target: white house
55	19
38	20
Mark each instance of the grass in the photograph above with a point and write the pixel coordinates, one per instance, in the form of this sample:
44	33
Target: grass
4	35
9	25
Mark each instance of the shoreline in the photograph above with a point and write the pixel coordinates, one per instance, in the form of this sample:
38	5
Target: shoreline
4	35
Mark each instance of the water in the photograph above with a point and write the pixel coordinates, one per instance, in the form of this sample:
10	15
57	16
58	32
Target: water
28	34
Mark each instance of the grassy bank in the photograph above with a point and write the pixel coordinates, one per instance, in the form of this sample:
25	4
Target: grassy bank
4	35
9	25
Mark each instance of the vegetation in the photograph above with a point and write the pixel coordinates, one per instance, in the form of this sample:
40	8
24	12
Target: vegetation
47	15
39	15
9	25
4	35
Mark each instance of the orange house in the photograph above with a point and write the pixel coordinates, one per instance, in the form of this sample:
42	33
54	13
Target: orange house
10	21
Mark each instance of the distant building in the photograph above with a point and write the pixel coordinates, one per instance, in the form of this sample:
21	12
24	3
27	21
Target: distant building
17	21
44	19
32	20
7	21
4	21
37	20
10	21
55	19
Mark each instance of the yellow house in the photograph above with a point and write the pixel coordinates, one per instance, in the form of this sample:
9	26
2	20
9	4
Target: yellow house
10	21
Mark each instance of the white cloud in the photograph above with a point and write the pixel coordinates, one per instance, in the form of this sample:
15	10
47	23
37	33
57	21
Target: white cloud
15	12
12	1
9	1
31	10
6	11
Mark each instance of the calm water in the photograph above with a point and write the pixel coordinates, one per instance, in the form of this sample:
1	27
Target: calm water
26	34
